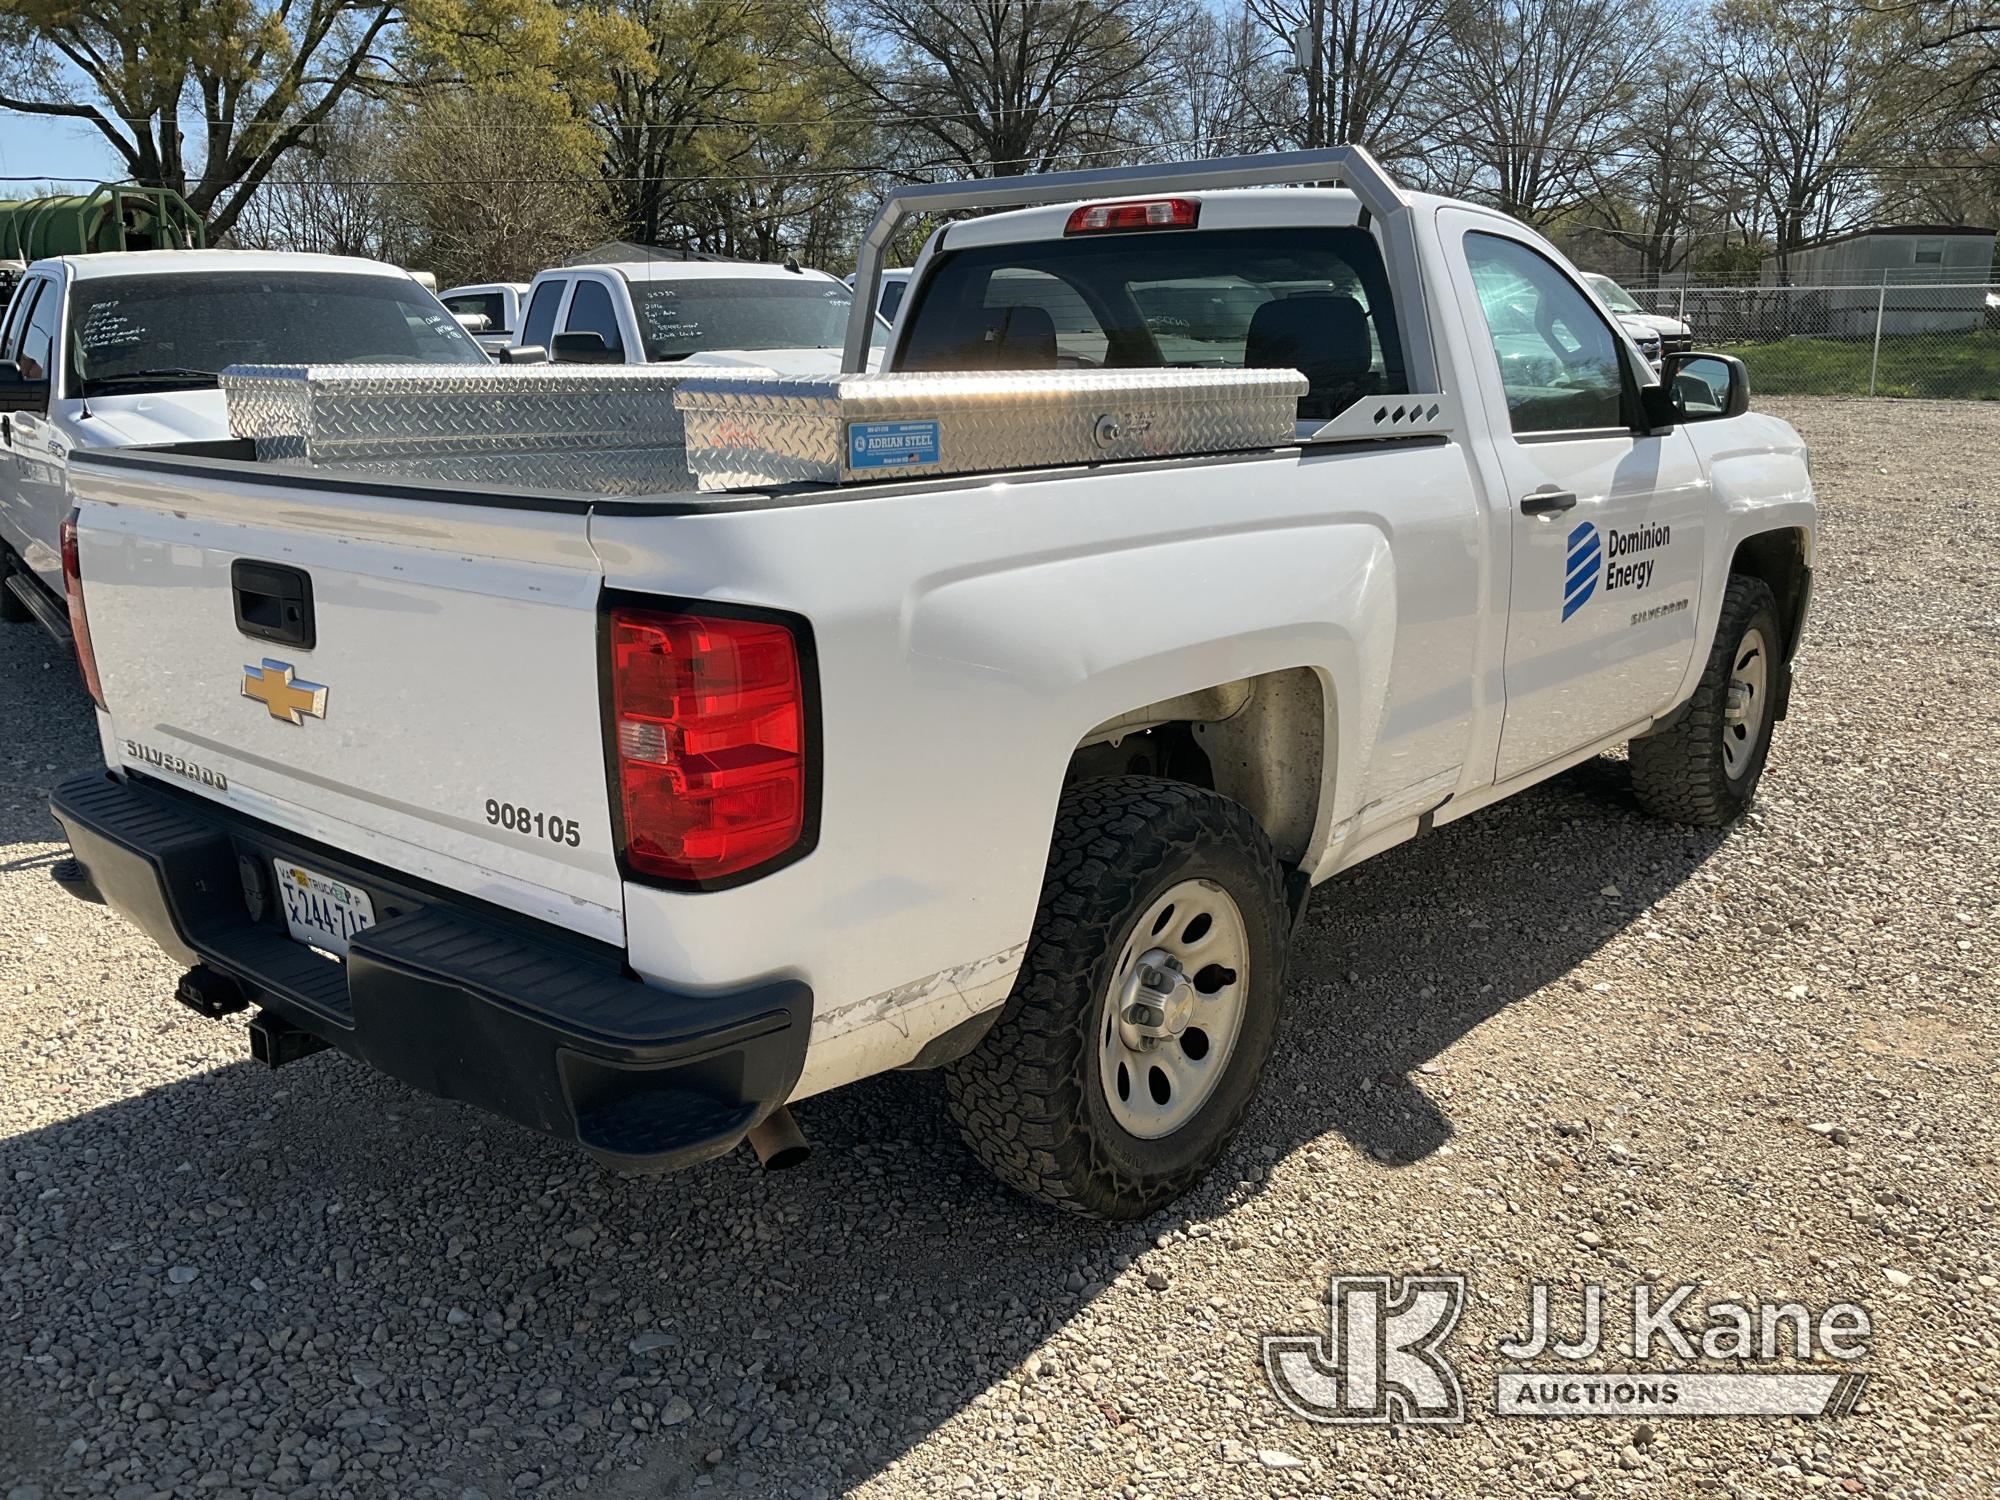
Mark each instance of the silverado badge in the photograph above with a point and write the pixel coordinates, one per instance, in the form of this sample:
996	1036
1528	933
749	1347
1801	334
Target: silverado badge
273	686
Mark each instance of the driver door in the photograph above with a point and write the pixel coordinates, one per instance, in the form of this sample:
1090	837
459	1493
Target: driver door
1606	518
34	497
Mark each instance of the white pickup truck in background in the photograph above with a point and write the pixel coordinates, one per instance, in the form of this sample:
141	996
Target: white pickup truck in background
996	713
124	348
489	311
703	312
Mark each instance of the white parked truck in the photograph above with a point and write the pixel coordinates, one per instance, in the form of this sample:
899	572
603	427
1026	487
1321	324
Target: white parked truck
702	312
124	347
494	308
1658	334
996	713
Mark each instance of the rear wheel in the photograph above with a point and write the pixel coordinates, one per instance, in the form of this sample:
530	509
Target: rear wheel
1146	1004
1704	770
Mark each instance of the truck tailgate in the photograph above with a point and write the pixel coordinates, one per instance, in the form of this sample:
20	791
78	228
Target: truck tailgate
438	712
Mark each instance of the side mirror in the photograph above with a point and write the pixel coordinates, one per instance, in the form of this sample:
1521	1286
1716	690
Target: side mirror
1705	387
584	348
521	354
18	393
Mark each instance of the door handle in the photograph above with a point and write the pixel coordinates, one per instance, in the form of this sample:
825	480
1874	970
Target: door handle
1548	502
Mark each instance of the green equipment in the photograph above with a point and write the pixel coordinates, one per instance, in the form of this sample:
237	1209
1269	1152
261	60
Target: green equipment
111	216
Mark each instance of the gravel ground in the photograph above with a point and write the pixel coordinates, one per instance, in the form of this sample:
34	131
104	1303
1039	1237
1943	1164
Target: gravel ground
1556	1042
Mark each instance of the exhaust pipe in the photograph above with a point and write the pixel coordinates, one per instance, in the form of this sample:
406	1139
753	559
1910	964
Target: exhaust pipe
275	1041
778	1141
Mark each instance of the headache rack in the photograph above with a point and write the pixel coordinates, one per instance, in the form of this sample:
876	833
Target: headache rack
1383	205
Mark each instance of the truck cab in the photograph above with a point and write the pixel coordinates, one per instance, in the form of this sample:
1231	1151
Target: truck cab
125	348
743	314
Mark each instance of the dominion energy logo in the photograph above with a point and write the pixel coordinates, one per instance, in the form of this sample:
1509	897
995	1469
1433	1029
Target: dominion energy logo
1615	558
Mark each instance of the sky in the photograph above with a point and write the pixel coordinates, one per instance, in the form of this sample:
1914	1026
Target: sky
44	147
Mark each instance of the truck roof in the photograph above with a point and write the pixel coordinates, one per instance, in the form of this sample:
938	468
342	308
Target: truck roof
692	270
166	262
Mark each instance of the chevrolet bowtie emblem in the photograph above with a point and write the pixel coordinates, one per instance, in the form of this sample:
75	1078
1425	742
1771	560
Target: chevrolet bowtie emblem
272	685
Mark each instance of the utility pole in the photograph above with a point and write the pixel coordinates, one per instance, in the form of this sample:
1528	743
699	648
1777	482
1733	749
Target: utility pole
1316	77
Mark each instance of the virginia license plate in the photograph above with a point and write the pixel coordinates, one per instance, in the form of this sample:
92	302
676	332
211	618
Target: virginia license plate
322	912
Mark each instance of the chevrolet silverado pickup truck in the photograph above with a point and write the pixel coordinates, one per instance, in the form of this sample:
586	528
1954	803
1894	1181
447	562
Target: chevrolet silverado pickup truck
1203	537
124	347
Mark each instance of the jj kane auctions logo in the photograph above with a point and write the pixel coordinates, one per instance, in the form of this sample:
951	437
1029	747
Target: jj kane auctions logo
1614	558
1382	1356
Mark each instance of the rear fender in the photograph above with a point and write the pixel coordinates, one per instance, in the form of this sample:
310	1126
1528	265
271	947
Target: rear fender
1094	637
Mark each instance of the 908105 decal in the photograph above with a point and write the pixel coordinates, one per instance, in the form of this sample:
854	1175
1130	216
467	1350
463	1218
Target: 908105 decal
534	823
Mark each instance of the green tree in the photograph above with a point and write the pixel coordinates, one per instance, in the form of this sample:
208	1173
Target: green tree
496	164
494	187
202	98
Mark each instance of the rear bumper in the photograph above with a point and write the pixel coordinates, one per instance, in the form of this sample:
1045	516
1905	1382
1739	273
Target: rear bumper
502	1012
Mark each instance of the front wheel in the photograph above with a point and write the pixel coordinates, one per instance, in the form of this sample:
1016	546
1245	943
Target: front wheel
1146	1005
1704	769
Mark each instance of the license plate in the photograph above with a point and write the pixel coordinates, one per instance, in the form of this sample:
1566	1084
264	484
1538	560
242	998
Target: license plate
321	911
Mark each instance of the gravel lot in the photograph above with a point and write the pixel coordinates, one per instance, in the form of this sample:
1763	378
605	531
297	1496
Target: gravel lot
1556	1042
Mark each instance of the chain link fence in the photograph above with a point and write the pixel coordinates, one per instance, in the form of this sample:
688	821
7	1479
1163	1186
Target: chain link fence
1940	340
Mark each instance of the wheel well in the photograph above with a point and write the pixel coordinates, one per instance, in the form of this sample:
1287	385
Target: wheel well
1260	741
1779	559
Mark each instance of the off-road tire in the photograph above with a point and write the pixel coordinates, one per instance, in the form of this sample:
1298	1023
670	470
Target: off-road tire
1027	1099
12	610
1679	773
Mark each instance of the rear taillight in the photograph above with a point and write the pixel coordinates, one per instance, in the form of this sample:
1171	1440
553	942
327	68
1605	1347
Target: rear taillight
79	623
709	742
1113	218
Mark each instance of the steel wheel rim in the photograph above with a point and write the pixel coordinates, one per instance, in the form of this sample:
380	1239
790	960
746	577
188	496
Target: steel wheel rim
1156	1078
1743	710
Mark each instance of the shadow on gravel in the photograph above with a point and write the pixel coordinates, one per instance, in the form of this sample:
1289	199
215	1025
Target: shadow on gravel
1401	957
818	1323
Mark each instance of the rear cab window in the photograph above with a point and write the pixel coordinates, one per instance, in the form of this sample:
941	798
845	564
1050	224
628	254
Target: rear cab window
492	306
1314	299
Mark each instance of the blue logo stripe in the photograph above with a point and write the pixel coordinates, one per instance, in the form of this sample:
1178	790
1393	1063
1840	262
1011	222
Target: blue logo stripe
1579	561
1586	554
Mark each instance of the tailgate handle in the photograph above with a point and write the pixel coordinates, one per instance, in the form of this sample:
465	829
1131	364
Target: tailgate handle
273	602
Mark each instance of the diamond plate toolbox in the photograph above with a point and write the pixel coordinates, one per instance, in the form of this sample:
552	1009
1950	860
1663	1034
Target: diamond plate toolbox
604	429
750	430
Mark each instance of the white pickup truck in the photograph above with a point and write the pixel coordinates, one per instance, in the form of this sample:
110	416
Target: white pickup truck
123	347
633	819
704	312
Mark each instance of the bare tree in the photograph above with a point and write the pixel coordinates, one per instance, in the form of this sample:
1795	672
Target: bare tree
259	74
1373	86
1812	92
331	193
1545	88
1652	195
999	87
1219	90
